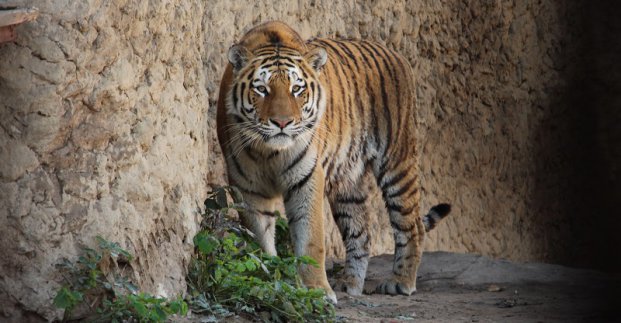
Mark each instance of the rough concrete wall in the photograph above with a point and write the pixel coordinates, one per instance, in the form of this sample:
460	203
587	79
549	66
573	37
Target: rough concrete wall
488	74
102	132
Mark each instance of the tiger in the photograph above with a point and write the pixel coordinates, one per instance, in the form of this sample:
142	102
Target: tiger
299	122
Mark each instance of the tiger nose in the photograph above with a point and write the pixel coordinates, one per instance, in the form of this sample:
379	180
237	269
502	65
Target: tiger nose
281	122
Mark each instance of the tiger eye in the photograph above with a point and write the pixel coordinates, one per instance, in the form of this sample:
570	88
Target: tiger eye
261	89
295	88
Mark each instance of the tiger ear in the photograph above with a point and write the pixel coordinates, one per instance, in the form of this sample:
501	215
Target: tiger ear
316	57
238	57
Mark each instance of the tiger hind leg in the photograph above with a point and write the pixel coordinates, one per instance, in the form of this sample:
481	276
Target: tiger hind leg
400	191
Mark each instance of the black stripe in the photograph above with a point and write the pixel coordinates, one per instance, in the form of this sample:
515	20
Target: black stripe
311	123
273	154
293	220
333	49
394	180
409	195
271	48
383	57
247	191
330	168
401	228
390	55
304	74
400	245
323	152
356	235
339	215
348	95
297	159
241	91
348	101
384	98
403	189
288	65
371	94
238	168
399	208
351	199
235	96
268	213
348	52
238	119
354	91
360	256
319	93
400	290
382	171
302	182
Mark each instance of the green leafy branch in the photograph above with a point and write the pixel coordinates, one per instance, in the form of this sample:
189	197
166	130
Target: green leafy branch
231	275
95	282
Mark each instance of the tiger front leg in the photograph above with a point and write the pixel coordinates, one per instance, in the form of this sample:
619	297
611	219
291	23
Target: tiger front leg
260	217
304	208
350	214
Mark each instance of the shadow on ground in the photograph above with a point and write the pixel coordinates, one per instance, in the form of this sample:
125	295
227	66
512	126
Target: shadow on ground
469	288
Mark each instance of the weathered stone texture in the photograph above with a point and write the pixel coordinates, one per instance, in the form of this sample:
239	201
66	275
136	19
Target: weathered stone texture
487	74
102	122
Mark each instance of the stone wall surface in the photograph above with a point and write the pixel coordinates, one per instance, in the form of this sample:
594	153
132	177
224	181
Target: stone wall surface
107	126
102	123
487	73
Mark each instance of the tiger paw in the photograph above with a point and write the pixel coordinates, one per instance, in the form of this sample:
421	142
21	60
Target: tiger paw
350	286
392	287
331	296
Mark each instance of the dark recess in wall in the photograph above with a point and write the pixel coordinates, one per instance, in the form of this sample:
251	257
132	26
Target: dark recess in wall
579	144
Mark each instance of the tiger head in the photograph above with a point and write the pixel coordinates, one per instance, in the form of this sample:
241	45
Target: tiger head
275	98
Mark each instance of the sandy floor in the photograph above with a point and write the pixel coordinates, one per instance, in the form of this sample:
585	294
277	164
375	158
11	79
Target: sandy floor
468	288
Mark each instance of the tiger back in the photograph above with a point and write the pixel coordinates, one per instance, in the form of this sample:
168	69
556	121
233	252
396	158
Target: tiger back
300	121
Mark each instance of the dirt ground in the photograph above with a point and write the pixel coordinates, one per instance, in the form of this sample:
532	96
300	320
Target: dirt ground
469	288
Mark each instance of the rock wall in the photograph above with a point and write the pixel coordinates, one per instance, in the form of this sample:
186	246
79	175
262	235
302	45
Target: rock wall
103	131
105	128
493	80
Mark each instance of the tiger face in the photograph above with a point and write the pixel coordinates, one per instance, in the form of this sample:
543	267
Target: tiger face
276	97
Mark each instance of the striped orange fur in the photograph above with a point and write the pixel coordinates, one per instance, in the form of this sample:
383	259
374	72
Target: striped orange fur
302	120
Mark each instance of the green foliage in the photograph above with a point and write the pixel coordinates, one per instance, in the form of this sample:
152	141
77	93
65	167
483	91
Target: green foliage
140	307
95	280
67	299
231	275
283	243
